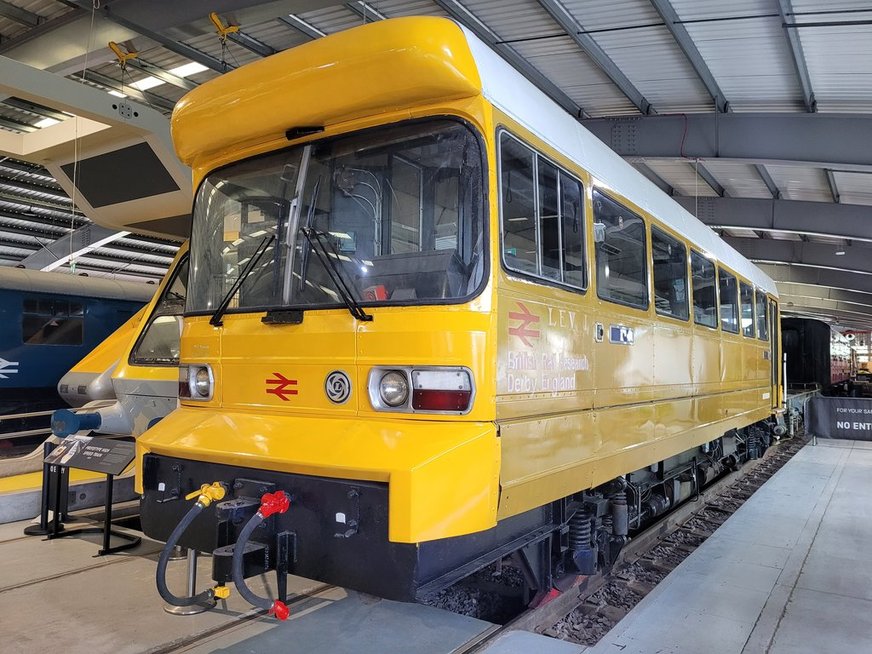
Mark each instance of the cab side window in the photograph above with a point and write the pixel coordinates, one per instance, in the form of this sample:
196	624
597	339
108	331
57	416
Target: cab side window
669	257
160	340
518	202
729	301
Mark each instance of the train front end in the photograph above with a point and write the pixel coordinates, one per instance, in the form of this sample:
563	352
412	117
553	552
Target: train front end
337	404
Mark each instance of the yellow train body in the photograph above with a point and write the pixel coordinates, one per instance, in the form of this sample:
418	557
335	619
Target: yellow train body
556	409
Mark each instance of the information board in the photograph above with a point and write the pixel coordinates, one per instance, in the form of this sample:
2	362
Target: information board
106	455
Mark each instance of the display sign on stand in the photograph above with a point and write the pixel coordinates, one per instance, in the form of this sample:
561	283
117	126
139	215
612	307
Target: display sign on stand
104	455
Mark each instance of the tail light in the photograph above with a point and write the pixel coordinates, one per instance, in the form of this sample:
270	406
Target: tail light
433	389
196	382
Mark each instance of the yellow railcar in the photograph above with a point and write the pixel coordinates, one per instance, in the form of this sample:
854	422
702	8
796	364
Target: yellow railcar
444	321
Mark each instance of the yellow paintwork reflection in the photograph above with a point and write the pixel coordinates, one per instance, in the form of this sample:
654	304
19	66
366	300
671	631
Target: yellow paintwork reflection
112	348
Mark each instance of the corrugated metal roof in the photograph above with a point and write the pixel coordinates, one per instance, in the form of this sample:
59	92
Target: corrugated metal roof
743	45
682	177
801	183
839	60
738	179
332	19
565	64
276	35
855	188
394	8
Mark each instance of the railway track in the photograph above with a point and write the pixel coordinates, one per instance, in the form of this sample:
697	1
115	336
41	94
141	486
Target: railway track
587	612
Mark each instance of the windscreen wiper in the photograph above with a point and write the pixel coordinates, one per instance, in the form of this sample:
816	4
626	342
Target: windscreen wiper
215	320
304	255
316	242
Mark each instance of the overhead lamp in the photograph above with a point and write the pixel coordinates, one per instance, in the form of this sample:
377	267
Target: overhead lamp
46	122
840	252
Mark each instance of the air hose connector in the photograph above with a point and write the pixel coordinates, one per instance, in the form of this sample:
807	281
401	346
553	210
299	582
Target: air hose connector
270	504
205	496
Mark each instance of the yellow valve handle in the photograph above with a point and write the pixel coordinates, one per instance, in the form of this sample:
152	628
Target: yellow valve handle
208	493
223	30
221	592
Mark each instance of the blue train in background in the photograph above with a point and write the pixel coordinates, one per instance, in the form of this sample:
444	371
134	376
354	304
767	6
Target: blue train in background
48	322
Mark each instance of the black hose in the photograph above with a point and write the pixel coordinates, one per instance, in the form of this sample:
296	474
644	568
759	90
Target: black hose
237	564
161	576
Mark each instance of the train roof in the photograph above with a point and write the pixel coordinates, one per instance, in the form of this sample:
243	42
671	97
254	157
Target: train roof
516	96
37	281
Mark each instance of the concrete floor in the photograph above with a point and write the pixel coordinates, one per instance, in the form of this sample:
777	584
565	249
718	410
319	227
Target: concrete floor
58	596
789	572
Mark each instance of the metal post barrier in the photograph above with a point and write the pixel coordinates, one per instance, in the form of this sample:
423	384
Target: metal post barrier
41	529
192	590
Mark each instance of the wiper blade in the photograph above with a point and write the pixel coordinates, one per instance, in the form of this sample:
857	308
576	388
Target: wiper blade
215	320
304	255
316	242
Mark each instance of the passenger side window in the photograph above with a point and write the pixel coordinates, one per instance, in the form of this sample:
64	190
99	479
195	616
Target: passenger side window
669	258
49	321
747	297
729	302
518	205
549	221
705	298
621	273
543	223
762	323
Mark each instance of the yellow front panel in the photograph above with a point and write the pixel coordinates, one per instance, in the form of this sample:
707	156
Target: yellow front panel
443	482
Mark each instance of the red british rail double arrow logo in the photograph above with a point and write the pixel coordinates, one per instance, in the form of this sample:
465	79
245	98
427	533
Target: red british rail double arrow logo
282	386
523	329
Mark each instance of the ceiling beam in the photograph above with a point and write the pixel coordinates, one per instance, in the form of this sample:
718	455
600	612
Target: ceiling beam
850	221
366	11
149	99
251	44
834	187
817	255
646	170
170	44
71	245
297	23
767	179
821	140
35	108
688	47
466	18
593	50
709	179
837	279
161	74
19	15
799	64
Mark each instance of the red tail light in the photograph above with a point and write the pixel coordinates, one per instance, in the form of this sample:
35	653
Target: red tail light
437	400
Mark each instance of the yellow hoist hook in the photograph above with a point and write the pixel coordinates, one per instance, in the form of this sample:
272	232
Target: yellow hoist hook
123	56
223	30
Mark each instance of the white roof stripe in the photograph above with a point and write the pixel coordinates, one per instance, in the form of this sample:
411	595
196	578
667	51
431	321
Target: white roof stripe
513	94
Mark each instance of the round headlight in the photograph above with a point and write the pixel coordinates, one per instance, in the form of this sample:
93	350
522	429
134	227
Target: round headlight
201	382
394	389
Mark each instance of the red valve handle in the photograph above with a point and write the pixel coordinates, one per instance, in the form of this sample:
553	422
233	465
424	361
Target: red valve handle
280	610
277	502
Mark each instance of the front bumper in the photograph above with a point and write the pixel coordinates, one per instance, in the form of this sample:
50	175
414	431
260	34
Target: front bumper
440	478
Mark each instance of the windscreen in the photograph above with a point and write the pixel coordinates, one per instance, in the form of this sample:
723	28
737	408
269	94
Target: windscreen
398	211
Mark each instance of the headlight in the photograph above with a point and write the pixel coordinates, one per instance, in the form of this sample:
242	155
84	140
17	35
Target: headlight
196	382
202	383
394	389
